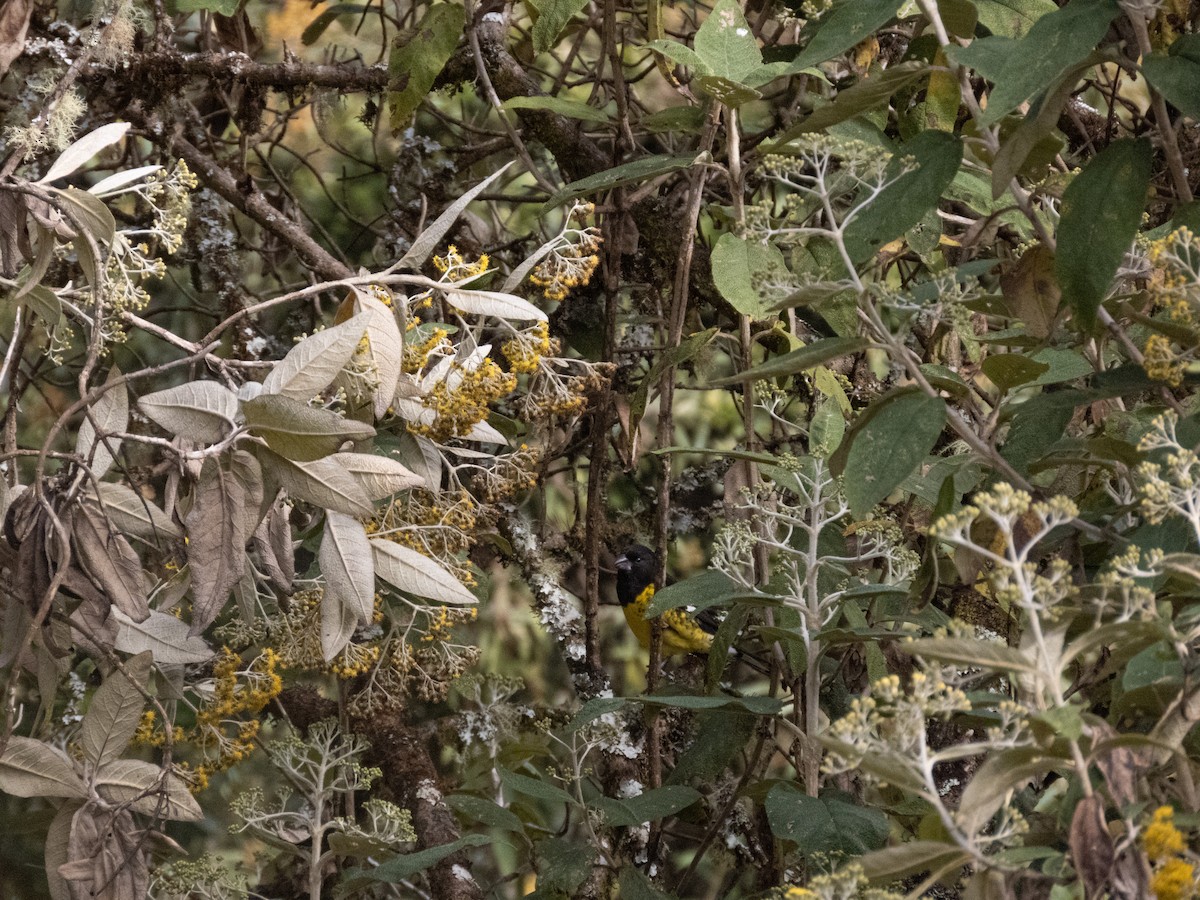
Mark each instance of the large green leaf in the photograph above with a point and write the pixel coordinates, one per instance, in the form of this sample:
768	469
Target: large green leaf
887	444
863	95
628	173
553	16
415	64
845	25
904	202
647	807
1055	43
801	360
736	262
1012	18
1101	211
403	867
831	824
725	43
1177	75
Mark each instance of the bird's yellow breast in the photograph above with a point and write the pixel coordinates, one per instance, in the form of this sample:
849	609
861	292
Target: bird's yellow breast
680	633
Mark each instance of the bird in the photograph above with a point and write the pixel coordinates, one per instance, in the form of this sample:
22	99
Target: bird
682	632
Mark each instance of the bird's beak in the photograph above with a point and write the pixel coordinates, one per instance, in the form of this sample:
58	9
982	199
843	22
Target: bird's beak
623	564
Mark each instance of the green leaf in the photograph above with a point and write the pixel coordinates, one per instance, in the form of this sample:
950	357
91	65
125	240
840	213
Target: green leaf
562	866
801	360
700	592
865	94
731	93
1055	43
553	16
965	651
721	735
629	173
487	812
532	787
760	706
1012	18
1177	75
403	867
668	359
313	31
912	858
1009	370
726	44
415	65
887	443
848	23
830	824
904	202
633	885
648	807
735	264
572	109
1101	212
1002	772
596	708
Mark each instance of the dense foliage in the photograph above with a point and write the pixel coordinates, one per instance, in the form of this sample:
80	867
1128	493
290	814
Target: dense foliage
346	345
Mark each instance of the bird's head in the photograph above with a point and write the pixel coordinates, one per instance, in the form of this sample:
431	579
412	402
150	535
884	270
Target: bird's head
637	567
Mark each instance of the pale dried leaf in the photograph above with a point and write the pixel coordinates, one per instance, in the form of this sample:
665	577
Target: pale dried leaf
495	304
312	364
133	514
110	414
115	712
378	476
13	214
408	570
147	789
227	496
201	411
84	149
485	434
346	562
386	349
119	180
1091	845
163	635
107	860
32	768
110	562
321	482
421	455
428	239
14	23
279	572
55	850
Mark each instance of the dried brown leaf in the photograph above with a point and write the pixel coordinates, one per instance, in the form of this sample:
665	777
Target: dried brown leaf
14	23
1091	845
222	519
110	562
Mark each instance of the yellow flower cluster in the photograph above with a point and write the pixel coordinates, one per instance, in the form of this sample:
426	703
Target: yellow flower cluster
150	734
1174	877
459	408
455	268
1161	362
440	525
444	619
416	355
526	349
354	660
224	739
568	266
1174	286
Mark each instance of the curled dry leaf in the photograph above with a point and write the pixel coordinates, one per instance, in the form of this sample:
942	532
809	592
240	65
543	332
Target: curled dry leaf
222	519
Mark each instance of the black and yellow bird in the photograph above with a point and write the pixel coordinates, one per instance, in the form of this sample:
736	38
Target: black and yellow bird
682	632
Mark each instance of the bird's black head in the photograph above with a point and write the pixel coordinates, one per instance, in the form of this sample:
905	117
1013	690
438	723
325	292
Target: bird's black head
636	569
